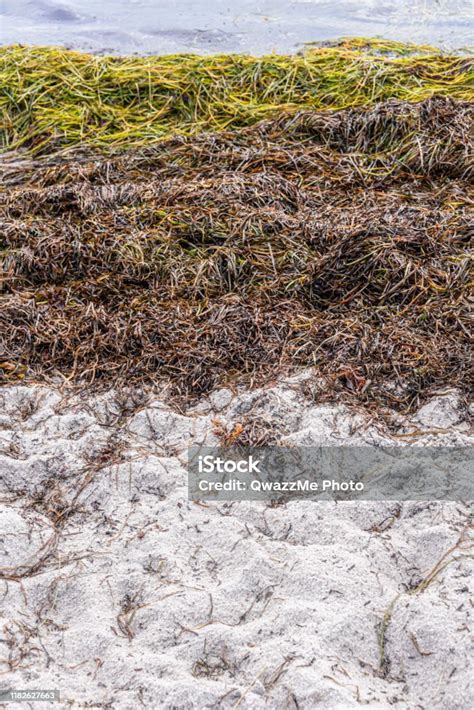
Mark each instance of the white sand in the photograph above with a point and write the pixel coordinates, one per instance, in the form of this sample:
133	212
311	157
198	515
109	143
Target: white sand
141	598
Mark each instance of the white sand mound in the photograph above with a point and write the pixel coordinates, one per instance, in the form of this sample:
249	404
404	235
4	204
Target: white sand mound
119	592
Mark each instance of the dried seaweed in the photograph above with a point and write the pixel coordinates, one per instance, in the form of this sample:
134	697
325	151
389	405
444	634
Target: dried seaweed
334	240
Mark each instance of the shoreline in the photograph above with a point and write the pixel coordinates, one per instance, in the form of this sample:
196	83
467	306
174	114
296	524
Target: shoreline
236	252
144	28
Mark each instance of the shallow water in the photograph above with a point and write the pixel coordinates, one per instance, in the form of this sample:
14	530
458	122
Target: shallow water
202	26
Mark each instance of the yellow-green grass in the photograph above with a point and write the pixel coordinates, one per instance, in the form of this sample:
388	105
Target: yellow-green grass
52	98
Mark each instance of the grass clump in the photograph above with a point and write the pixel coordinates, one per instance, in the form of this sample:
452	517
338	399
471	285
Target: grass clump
52	98
335	240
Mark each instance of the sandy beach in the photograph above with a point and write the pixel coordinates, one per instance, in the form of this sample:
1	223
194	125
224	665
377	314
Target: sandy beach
219	250
122	593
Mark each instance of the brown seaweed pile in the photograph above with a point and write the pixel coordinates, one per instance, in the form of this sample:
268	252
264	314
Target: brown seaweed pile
334	240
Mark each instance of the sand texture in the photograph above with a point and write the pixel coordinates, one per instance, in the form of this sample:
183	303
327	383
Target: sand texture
121	593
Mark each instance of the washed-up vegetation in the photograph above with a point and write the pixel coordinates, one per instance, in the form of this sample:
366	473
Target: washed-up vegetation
335	240
51	98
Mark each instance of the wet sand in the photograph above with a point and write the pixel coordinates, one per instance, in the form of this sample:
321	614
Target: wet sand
169	26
